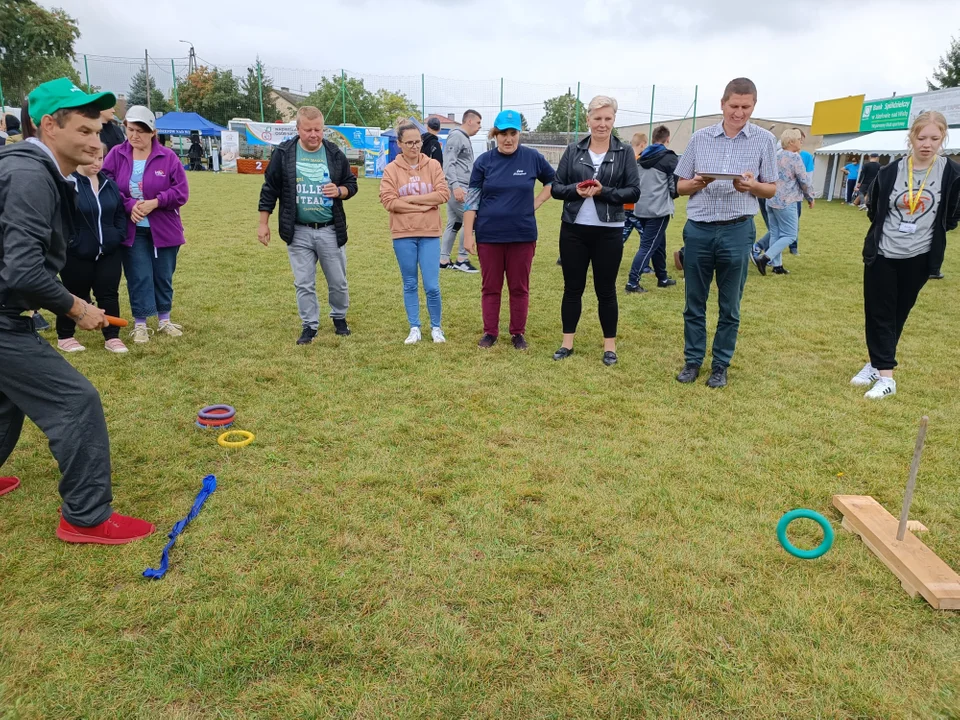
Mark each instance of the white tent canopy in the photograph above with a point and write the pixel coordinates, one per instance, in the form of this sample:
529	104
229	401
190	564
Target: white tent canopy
886	142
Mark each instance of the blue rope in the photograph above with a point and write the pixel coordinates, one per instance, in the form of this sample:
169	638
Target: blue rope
209	485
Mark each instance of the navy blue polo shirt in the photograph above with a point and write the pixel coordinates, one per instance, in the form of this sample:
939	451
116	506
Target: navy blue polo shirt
506	186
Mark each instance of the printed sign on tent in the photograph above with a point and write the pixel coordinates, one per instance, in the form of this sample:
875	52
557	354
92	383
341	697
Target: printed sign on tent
229	149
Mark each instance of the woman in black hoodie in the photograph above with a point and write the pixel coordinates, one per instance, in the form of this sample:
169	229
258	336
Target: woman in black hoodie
93	261
912	205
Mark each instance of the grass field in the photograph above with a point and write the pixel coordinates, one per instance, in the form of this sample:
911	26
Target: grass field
442	532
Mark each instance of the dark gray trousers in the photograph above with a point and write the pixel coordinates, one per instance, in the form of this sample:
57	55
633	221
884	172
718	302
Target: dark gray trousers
37	382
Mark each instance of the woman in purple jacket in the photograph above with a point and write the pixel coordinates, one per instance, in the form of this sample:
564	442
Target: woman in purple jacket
153	186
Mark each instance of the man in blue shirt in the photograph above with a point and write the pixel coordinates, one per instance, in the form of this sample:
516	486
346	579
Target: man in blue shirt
720	229
851	172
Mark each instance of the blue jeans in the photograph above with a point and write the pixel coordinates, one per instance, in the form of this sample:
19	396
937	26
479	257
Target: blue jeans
784	225
653	247
630	223
724	251
149	272
425	253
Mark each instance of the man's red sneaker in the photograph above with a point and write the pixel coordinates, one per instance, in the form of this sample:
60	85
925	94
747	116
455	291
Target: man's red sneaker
115	530
8	484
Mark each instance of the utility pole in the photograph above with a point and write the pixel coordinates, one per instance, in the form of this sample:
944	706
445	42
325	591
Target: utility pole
191	58
146	72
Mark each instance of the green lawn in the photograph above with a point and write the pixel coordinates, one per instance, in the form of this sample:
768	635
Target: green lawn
442	532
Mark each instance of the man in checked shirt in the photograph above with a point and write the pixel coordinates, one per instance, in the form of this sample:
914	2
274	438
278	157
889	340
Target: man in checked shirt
720	231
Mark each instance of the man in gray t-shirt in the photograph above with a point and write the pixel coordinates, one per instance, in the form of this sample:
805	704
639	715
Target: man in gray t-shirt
907	235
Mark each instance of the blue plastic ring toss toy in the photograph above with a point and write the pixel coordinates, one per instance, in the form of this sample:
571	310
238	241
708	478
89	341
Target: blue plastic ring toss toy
216	412
821	549
248	437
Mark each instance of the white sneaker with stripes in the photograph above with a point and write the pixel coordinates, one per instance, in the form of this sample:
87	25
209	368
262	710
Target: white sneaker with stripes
884	388
866	377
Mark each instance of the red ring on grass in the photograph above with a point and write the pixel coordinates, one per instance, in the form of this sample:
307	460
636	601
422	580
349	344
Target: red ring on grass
215	423
216	412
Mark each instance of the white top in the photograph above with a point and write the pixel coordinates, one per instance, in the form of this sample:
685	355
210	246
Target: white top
588	211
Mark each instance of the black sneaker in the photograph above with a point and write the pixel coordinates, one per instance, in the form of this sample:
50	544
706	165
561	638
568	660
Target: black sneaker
520	342
669	282
718	378
609	358
307	336
689	374
780	270
447	266
563	353
635	288
465	266
938	276
761	263
340	326
794	250
487	342
40	322
559	261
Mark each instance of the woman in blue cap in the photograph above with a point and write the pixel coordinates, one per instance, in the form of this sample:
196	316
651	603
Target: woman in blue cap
501	206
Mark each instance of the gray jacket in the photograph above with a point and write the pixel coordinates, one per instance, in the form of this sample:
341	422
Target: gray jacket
458	159
36	221
658	184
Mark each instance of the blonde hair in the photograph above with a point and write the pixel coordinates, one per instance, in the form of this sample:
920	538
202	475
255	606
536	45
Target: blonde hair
928	117
791	135
638	139
309	112
602	101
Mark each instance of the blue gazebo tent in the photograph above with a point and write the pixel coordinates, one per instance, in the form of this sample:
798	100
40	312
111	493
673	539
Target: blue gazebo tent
185	124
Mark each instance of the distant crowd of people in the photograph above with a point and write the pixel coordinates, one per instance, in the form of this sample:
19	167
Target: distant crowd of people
84	202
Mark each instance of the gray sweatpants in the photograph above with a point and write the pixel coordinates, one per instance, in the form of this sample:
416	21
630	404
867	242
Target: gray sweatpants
309	247
454	223
37	382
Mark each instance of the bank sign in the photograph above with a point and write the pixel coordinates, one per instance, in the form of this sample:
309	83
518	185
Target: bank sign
892	114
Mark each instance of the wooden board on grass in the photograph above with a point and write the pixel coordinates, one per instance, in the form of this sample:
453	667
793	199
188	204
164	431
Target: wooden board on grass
917	566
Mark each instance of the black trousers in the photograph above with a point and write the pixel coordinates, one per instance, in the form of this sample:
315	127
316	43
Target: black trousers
37	382
890	290
103	278
581	246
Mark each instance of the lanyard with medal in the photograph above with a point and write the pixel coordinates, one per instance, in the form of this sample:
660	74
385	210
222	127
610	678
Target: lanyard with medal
914	202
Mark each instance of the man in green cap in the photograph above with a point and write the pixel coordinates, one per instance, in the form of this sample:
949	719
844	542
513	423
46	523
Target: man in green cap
61	129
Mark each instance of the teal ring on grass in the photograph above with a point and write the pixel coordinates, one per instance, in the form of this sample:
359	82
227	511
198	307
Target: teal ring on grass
821	549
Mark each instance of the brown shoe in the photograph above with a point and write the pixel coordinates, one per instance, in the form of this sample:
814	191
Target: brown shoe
487	342
678	259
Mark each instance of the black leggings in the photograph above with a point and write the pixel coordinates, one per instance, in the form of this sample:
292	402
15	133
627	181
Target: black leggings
103	277
581	245
890	290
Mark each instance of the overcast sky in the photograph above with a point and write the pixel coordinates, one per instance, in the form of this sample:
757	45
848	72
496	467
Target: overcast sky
796	52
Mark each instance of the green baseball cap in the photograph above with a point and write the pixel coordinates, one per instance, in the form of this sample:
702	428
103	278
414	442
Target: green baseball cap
62	94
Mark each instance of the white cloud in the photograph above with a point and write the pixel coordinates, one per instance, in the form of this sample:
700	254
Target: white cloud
797	52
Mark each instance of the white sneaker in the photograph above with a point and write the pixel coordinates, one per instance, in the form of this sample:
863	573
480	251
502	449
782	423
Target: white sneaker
437	335
115	345
168	328
140	333
866	377
413	337
70	345
883	388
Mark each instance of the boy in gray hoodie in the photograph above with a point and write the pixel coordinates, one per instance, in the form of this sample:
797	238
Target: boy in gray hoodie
658	189
457	167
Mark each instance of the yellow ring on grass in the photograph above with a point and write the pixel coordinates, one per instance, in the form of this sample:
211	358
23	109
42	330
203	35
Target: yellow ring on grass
248	437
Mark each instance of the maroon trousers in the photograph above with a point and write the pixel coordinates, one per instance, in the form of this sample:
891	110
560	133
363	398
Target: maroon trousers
513	260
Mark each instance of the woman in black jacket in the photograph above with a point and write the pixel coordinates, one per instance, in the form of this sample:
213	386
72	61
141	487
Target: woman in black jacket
93	260
913	204
596	176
